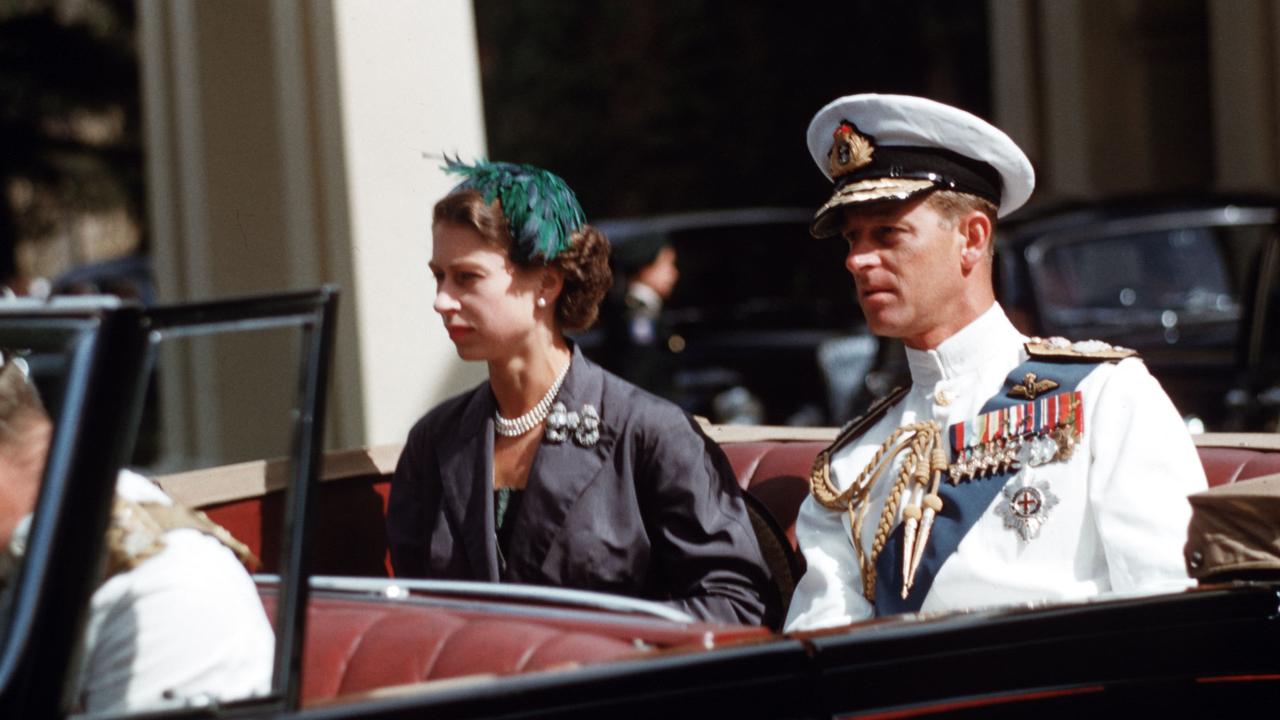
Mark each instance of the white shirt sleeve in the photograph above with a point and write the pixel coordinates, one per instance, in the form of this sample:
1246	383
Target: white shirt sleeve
830	592
186	623
1144	466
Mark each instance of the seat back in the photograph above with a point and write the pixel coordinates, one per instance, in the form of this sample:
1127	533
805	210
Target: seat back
777	473
357	645
350	538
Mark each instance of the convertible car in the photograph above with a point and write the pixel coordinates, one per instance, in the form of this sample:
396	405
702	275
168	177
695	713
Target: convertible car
354	642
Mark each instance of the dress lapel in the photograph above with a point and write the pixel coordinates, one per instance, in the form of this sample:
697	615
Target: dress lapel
466	473
562	471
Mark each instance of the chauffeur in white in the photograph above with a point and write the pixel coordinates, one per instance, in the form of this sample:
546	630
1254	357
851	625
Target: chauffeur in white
1013	469
176	618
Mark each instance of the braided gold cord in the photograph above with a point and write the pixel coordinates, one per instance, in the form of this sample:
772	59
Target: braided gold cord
911	466
923	465
937	466
820	479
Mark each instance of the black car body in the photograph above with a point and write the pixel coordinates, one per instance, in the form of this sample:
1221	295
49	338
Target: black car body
768	325
1193	284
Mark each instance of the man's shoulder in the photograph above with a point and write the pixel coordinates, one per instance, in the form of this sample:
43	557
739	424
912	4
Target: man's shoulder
875	412
1060	349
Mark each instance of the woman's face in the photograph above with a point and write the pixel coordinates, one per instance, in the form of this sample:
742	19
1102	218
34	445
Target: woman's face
488	304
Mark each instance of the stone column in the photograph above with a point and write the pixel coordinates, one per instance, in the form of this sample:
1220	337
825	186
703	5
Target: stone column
286	147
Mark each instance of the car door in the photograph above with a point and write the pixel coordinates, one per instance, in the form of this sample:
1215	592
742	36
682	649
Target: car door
1254	402
92	361
86	359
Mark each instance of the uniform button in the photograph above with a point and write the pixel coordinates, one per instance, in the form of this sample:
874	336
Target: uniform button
1196	559
944	397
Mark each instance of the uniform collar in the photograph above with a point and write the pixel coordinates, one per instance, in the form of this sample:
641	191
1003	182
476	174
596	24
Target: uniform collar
973	347
647	297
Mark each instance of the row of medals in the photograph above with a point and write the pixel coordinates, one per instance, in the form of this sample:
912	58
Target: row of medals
1011	454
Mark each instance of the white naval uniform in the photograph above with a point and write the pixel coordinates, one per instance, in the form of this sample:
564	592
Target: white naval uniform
184	624
1119	526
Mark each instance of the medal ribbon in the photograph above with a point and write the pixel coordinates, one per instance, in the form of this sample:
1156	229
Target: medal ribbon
1030	418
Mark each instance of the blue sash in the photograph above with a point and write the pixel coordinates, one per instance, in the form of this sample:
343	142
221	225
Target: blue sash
963	504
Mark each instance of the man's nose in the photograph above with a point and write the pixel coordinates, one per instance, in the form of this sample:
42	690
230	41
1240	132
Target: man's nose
859	259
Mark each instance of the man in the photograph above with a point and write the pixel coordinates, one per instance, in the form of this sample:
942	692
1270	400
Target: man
176	617
638	344
1011	470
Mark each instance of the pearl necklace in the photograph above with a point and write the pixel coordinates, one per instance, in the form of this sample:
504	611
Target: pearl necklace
530	420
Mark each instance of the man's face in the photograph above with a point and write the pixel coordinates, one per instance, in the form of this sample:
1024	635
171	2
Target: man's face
661	274
22	461
905	259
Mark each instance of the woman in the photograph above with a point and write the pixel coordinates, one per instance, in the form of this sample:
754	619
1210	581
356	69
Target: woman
555	472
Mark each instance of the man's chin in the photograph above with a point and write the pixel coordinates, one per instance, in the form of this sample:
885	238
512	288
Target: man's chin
883	326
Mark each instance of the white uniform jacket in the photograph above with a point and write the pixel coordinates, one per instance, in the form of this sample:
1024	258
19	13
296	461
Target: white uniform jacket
1119	526
185	624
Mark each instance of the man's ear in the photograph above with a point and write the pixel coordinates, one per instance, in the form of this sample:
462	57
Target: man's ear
975	228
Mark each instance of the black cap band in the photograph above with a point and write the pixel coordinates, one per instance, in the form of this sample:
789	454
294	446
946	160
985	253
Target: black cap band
946	169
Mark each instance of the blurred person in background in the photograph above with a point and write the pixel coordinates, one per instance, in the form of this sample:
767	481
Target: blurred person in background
637	340
555	472
176	617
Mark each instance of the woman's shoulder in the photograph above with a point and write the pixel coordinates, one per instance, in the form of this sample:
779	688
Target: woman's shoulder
448	413
633	410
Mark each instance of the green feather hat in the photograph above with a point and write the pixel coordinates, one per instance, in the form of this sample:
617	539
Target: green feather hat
541	210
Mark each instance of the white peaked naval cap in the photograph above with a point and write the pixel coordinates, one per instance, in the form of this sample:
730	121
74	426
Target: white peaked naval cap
892	147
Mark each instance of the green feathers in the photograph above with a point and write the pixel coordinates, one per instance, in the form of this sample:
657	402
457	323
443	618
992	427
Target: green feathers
542	211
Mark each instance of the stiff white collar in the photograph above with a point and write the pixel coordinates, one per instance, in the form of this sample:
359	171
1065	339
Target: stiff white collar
645	295
982	342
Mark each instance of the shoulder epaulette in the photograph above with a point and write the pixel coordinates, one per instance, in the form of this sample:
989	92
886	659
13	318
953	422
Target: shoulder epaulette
137	531
876	410
1058	348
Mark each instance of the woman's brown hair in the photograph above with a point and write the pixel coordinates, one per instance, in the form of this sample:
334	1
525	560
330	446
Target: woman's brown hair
584	264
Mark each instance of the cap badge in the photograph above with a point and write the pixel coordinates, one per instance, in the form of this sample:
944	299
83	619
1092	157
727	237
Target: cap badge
850	150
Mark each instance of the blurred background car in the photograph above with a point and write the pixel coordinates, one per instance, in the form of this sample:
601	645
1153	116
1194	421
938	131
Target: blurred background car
1193	284
764	326
763	323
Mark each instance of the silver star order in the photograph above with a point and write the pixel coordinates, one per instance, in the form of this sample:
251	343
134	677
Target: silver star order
1026	506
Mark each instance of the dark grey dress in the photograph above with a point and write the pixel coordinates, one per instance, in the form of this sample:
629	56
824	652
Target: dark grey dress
652	510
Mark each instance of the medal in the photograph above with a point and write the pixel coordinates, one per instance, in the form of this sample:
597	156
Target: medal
1026	435
1026	506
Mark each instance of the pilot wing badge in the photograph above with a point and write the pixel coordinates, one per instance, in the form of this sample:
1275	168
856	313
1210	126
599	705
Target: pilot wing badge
1031	387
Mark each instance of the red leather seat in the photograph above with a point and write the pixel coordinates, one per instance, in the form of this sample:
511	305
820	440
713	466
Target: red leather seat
357	645
1225	465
